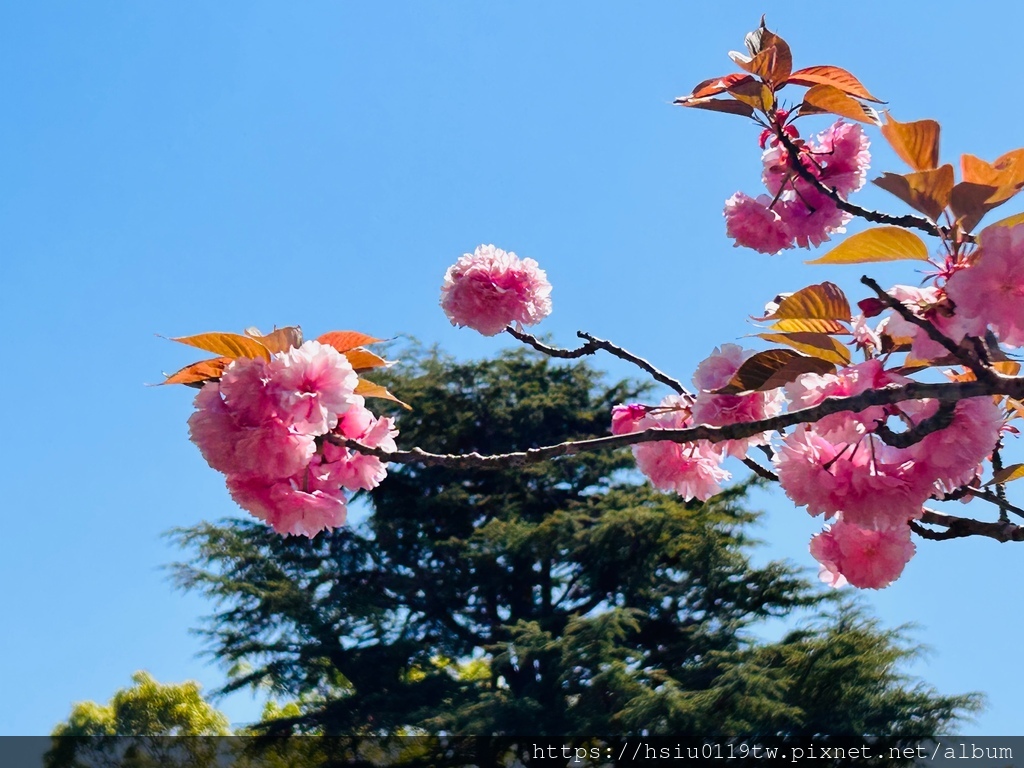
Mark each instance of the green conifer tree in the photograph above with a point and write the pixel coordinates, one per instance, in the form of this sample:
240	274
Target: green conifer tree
559	599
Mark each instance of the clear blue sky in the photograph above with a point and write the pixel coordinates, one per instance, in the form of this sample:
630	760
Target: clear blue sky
172	168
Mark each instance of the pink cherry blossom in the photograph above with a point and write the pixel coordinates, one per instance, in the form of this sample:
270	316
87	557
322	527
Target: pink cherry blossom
289	507
311	386
796	213
489	289
929	303
626	417
753	224
718	410
951	456
869	559
350	468
992	289
693	470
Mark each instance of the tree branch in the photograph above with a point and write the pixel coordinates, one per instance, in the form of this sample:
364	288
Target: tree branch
907	221
977	368
592	345
941	419
942	391
961	527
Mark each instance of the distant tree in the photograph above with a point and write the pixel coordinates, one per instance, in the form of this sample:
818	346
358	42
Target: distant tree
107	734
557	599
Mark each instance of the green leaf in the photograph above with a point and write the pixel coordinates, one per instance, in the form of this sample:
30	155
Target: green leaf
878	244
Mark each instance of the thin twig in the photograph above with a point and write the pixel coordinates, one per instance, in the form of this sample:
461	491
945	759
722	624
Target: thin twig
941	419
592	345
907	221
960	527
997	467
757	469
977	368
981	493
951	391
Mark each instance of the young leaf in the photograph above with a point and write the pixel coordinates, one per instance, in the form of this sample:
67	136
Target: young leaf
754	93
343	341
730	106
369	389
773	368
363	360
925	191
280	339
824	301
969	202
916	143
878	244
197	373
230	345
1006	474
715	86
834	76
828	98
782	60
813	344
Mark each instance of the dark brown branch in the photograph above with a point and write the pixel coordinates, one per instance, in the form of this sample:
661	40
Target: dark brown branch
942	391
907	221
757	469
997	467
981	493
593	344
977	368
941	419
960	527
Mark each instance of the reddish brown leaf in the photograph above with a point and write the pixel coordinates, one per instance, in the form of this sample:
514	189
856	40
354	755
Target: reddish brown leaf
343	341
837	77
230	345
773	368
730	106
369	389
968	201
715	86
1005	175
782	61
197	373
916	143
363	360
824	301
925	191
828	98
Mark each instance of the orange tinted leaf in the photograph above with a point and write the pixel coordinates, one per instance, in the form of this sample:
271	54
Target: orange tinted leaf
278	340
925	191
917	143
878	244
343	341
753	93
782	61
1007	367
814	309
715	86
363	360
837	77
828	98
1006	175
369	389
230	345
204	370
1007	474
773	368
813	344
730	106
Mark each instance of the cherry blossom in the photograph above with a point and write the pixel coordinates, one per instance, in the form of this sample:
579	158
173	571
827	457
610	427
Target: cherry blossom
489	289
869	559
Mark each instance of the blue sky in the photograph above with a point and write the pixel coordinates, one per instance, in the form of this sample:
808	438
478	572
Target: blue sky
178	168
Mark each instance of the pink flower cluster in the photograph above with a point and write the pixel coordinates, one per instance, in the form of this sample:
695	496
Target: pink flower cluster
991	290
693	470
840	467
263	426
795	213
489	289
